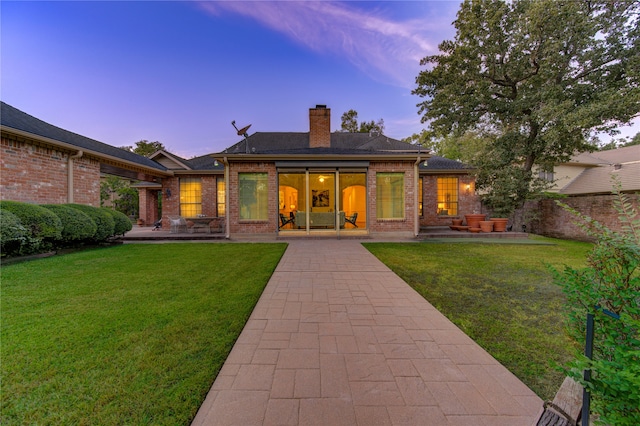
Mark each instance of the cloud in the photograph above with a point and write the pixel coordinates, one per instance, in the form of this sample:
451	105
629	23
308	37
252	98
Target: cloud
387	50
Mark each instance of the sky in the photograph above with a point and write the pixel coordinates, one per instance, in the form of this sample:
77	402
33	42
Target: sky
179	72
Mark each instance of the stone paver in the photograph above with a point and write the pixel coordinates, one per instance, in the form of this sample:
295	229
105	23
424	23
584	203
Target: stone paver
338	339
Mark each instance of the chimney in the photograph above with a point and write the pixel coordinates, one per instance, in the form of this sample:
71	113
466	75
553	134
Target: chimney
320	127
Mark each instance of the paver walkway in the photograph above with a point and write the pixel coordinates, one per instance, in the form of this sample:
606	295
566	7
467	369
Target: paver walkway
338	339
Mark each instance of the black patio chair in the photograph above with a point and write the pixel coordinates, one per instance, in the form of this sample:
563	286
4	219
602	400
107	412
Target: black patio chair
157	225
284	220
352	219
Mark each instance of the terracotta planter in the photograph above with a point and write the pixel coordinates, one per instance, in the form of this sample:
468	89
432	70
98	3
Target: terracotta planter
499	224
486	226
473	220
456	222
474	230
140	222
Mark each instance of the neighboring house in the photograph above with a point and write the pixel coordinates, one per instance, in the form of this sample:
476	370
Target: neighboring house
587	181
42	163
307	183
591	173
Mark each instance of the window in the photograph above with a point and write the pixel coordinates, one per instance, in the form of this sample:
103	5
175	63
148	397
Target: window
546	174
390	195
420	186
448	196
253	195
221	194
190	197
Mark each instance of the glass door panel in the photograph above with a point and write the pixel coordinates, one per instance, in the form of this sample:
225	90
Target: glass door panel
291	199
322	205
353	199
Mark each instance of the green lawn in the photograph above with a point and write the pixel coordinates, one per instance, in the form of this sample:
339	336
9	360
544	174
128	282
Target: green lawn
133	334
136	334
501	295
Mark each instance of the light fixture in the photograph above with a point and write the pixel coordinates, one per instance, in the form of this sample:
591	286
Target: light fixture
468	187
321	179
168	193
215	163
426	163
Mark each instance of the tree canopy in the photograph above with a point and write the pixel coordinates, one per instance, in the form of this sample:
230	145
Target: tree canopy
350	124
539	76
144	147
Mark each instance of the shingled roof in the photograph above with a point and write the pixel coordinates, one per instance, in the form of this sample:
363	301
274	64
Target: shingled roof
624	163
13	118
274	143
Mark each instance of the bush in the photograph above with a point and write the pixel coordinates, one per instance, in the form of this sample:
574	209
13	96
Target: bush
42	225
77	225
611	282
12	233
122	222
103	220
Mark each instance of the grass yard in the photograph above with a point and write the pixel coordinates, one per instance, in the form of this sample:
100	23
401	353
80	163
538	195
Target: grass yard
501	295
133	334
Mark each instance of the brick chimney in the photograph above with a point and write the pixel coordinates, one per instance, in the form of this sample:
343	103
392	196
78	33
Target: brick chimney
320	127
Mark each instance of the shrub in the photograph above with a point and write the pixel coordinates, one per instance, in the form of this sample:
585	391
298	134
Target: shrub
609	285
77	225
40	222
103	220
12	233
122	222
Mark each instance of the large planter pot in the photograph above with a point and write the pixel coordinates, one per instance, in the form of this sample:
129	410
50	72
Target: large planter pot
499	224
486	226
456	222
473	220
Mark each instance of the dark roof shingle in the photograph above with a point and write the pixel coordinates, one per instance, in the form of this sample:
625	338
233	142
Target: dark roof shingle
16	119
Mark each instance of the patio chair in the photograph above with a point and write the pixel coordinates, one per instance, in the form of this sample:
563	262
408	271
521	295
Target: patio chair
284	220
157	225
352	219
178	223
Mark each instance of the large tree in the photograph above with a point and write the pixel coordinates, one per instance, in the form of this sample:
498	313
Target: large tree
541	74
144	147
350	124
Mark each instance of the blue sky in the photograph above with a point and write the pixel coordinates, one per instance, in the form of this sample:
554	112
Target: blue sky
180	72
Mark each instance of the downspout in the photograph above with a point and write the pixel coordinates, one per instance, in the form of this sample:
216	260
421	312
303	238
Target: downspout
416	181
70	175
227	213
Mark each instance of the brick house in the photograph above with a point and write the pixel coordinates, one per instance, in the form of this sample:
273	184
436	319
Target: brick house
307	183
320	183
586	183
42	163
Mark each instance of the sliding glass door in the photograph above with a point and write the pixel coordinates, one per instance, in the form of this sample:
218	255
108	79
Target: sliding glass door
319	201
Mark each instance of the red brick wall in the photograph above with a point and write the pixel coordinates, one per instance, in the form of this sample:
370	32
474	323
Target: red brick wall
545	217
468	201
38	174
171	205
233	209
392	225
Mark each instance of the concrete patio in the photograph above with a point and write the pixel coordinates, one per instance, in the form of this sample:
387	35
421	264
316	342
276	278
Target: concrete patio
338	339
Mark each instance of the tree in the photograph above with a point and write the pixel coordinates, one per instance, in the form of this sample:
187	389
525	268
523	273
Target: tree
117	193
350	124
542	75
144	147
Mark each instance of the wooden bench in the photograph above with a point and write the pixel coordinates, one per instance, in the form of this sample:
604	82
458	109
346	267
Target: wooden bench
566	406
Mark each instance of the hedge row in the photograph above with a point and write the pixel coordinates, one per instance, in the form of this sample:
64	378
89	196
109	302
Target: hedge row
30	228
